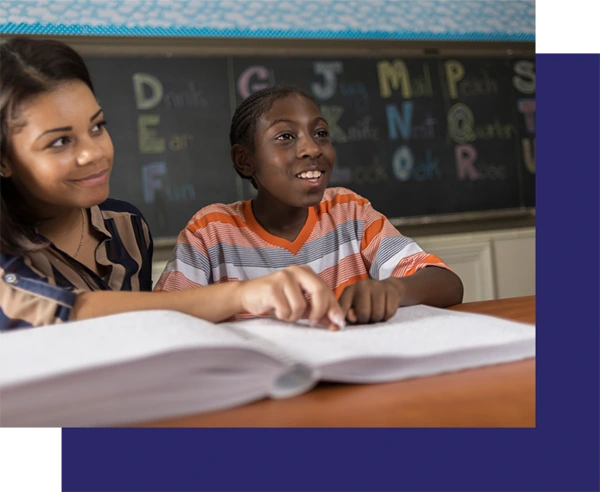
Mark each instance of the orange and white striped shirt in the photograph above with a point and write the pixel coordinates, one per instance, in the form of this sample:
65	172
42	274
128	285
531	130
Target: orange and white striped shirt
344	240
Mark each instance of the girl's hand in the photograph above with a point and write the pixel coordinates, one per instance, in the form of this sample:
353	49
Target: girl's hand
283	294
371	301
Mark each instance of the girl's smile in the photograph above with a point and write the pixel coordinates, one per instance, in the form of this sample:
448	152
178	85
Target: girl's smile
312	178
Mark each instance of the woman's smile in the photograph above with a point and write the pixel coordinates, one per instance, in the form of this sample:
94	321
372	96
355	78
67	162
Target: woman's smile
93	179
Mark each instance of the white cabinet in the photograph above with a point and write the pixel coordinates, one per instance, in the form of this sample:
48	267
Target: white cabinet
491	264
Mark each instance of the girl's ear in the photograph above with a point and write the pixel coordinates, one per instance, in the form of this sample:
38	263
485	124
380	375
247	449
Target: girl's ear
242	160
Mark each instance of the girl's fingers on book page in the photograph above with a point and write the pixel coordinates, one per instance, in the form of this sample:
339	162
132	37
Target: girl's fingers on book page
378	306
346	301
351	315
391	306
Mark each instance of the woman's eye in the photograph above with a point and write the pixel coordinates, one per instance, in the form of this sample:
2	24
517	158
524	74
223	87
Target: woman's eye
99	126
284	136
60	142
322	133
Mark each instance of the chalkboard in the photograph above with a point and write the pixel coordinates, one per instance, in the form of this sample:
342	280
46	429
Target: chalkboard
416	136
169	120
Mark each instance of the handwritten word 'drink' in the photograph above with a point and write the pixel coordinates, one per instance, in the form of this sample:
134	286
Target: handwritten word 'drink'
149	94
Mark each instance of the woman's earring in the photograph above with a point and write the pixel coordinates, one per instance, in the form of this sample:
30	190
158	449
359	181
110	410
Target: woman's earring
1	174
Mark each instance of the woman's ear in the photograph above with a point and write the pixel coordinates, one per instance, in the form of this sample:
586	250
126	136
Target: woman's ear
242	160
5	168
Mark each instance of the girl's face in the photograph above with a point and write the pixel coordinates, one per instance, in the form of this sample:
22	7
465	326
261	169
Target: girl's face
293	156
61	155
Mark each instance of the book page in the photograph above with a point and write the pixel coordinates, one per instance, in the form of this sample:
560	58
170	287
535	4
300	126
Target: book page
50	350
415	331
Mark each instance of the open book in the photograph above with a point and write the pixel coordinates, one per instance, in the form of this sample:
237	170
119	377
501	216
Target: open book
146	365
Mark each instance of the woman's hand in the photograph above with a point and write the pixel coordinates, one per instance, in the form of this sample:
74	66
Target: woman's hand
283	294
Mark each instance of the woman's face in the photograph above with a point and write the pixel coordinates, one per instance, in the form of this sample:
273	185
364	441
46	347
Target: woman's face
60	154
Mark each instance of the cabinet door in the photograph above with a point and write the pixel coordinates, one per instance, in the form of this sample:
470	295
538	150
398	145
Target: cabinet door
514	263
470	260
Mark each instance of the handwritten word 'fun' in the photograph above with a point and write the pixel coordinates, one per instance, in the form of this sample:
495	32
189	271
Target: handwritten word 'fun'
152	181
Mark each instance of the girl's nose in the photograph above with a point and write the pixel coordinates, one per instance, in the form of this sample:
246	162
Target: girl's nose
309	148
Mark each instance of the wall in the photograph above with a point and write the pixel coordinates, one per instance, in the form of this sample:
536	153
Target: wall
495	20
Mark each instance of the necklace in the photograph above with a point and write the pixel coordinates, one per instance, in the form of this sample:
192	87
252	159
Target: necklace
83	221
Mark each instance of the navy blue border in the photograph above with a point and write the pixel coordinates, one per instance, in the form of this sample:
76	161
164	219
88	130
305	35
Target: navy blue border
560	454
568	267
298	459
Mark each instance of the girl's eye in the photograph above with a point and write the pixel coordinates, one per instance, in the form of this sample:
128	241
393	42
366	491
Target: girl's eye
284	136
60	142
322	133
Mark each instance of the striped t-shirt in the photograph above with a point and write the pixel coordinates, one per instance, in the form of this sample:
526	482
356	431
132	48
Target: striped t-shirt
344	240
40	288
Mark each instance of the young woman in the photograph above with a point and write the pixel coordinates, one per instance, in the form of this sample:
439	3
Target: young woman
67	251
279	140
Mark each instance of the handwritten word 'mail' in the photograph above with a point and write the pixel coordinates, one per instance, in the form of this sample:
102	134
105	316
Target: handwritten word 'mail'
466	158
472	86
395	75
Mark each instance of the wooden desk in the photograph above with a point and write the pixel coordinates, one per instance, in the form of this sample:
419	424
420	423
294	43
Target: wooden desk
495	396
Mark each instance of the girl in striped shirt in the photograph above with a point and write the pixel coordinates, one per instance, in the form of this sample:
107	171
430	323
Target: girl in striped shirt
279	140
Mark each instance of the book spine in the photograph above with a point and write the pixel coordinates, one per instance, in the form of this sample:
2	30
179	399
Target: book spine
294	379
